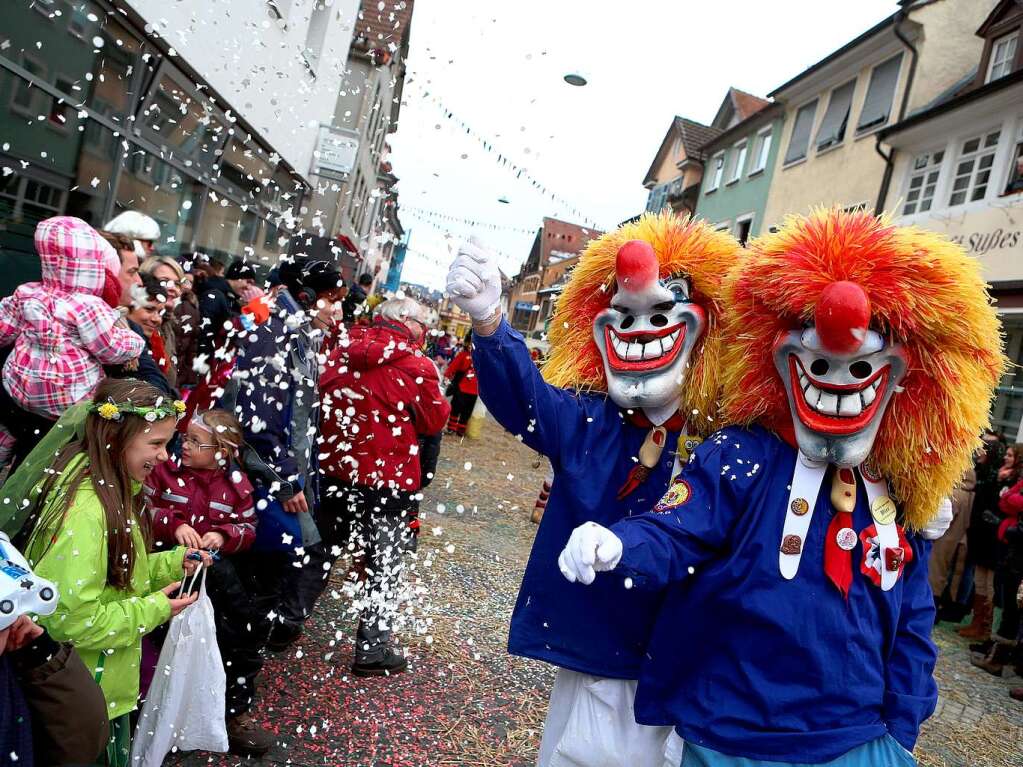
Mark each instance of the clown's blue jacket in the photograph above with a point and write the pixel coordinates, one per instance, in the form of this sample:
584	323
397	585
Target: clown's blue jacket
600	629
747	663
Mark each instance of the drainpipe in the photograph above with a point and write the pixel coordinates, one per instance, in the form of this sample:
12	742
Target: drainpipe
889	159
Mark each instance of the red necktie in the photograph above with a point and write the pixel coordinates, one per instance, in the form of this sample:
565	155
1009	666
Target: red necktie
838	559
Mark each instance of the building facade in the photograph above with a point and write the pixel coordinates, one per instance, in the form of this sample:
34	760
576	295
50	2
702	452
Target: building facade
828	151
170	109
555	251
958	170
674	176
733	193
355	202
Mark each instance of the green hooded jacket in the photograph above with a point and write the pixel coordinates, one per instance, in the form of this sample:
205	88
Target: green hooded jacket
96	618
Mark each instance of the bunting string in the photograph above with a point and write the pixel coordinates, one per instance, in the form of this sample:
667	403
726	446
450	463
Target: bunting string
433	215
504	161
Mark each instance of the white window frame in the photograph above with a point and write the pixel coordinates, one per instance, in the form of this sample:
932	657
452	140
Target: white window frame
717	161
750	217
761	151
739	154
977	156
1011	43
1015	151
934	159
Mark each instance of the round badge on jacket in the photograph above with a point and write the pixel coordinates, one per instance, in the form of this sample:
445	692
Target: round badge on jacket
678	494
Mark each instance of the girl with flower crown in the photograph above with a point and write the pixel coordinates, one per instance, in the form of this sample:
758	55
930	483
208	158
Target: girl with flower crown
84	529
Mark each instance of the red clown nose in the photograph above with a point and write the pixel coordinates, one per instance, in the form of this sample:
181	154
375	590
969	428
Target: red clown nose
636	266
842	317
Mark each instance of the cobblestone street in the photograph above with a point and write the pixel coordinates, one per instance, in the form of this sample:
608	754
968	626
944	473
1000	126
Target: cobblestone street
465	701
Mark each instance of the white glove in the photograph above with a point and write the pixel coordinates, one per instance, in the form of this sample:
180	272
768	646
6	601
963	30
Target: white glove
937	526
591	549
474	281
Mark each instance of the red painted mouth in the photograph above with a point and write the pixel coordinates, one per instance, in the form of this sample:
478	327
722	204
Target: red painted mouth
645	349
832	408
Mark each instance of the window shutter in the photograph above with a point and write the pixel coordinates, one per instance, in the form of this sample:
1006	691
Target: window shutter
877	107
801	132
832	129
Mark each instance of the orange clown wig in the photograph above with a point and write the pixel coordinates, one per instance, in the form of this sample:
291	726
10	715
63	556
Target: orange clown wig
925	293
683	247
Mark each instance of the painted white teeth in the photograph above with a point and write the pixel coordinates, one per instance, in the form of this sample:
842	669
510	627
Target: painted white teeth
634	352
812	394
868	394
828	403
849	404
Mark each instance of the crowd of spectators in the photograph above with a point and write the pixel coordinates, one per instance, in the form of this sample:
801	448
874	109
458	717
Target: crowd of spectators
163	413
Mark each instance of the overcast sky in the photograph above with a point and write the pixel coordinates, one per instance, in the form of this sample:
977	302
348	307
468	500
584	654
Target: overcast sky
498	65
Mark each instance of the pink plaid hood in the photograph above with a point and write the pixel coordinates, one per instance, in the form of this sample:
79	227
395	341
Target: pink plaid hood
73	255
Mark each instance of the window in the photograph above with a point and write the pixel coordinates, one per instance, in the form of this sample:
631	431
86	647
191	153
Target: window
658	198
923	180
800	139
832	129
319	20
59	109
736	162
1003	54
717	170
742	229
761	149
26	98
1015	184
178	117
973	168
877	106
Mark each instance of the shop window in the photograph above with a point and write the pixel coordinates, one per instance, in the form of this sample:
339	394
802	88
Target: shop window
1003	54
178	118
1007	412
91	192
801	129
162	191
1015	184
249	228
973	168
832	130
98	58
923	180
877	106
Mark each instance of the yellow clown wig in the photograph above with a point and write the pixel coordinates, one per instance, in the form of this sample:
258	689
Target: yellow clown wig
683	247
925	293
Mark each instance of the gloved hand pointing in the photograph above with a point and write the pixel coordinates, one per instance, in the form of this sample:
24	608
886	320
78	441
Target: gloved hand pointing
591	549
941	522
474	281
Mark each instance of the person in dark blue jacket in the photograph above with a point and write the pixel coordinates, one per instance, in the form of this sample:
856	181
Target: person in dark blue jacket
630	387
796	614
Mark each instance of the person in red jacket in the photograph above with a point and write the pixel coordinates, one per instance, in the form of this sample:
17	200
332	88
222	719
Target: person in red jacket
464	389
379	393
207	502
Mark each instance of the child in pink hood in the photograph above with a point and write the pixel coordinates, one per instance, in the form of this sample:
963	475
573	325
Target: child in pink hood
64	328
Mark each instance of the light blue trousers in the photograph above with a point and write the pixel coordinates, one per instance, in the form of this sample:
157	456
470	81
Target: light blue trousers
883	752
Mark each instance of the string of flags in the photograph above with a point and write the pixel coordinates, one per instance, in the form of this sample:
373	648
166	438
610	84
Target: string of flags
504	161
438	216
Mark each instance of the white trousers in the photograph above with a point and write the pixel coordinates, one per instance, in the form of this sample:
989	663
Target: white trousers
590	723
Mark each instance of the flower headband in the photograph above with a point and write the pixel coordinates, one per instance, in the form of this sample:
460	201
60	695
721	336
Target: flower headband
112	411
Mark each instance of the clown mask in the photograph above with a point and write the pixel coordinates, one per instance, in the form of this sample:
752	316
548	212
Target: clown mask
648	333
839	376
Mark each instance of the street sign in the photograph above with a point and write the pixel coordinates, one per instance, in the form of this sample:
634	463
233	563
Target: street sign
336	151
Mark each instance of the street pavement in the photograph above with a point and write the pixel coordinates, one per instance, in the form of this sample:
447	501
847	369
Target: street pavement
464	700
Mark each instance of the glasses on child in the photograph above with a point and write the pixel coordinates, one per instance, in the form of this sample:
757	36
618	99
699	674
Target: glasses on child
193	442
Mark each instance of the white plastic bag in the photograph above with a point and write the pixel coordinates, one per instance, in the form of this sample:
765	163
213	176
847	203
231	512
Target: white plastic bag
185	705
591	723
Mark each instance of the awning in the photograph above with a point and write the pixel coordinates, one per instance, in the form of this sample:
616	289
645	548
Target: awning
348	245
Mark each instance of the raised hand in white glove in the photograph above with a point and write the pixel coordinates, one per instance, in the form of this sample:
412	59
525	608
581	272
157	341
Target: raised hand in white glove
937	526
591	549
474	281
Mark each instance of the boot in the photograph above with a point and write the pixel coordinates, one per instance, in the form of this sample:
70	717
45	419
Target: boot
982	647
283	636
994	661
980	626
392	663
1016	693
246	738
